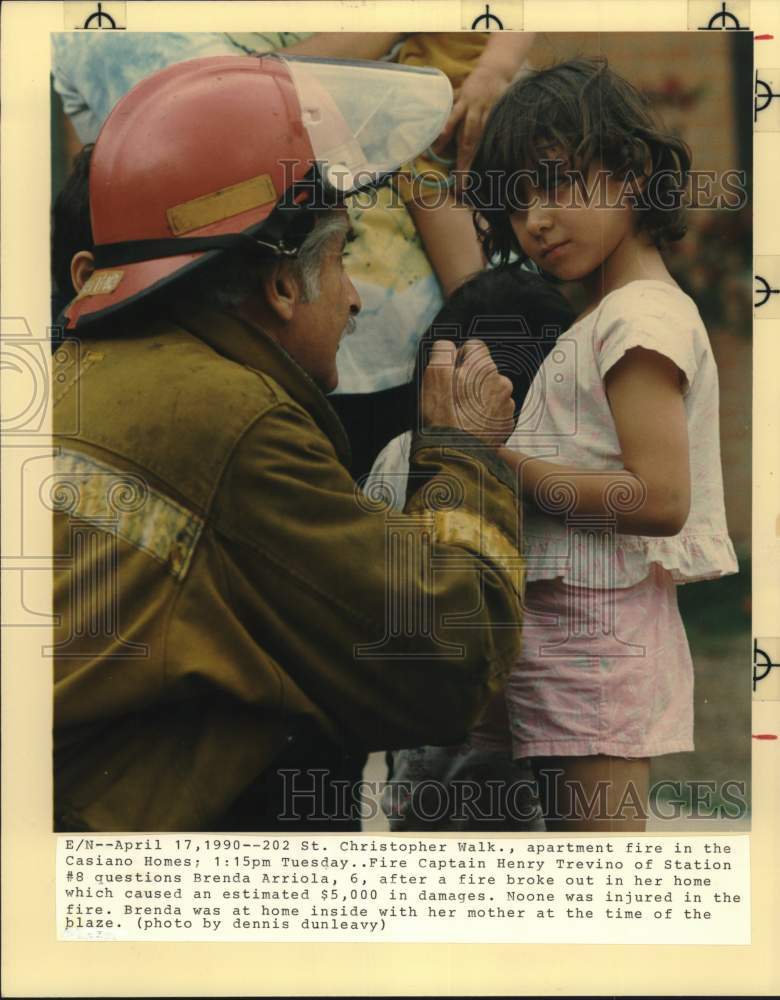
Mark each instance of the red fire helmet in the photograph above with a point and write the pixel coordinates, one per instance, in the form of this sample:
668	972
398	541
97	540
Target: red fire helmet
213	154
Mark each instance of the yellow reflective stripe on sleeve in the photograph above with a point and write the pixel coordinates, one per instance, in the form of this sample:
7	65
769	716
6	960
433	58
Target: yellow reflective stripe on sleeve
462	527
125	503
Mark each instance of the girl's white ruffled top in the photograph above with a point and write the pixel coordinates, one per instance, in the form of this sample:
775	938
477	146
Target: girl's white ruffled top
566	418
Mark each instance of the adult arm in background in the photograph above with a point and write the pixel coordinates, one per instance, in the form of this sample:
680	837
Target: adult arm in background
445	225
496	68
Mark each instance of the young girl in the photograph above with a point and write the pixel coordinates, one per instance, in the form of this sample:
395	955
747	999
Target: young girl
621	472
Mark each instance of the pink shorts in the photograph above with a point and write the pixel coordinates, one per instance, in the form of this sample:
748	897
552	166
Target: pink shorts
602	672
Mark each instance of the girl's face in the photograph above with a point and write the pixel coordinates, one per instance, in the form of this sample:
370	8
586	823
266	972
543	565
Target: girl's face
571	229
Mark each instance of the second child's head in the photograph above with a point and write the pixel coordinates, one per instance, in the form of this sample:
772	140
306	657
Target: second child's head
517	314
572	164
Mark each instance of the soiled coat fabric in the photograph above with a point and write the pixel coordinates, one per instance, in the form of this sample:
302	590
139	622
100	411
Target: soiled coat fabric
224	591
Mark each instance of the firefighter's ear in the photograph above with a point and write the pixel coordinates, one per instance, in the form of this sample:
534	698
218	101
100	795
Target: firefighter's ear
282	291
81	268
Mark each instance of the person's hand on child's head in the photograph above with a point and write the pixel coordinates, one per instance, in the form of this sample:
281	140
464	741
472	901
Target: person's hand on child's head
483	396
464	389
474	100
437	406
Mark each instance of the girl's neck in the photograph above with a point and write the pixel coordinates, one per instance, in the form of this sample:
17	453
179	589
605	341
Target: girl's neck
635	259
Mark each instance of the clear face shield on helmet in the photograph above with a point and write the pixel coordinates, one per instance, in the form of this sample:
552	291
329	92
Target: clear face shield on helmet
339	126
364	120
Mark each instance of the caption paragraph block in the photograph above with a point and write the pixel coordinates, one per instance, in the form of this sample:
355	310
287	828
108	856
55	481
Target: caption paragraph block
176	887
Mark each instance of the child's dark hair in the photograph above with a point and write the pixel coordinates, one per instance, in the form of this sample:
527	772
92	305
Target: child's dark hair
589	113
515	312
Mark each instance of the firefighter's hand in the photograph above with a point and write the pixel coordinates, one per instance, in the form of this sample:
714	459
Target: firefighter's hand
463	389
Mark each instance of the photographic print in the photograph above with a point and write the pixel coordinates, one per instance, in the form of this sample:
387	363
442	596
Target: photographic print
388	450
611	676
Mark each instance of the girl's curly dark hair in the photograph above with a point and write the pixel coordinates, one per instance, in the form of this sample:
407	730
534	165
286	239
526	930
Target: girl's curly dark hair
583	109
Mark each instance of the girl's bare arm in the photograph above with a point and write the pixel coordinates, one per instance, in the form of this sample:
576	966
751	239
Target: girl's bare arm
651	494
